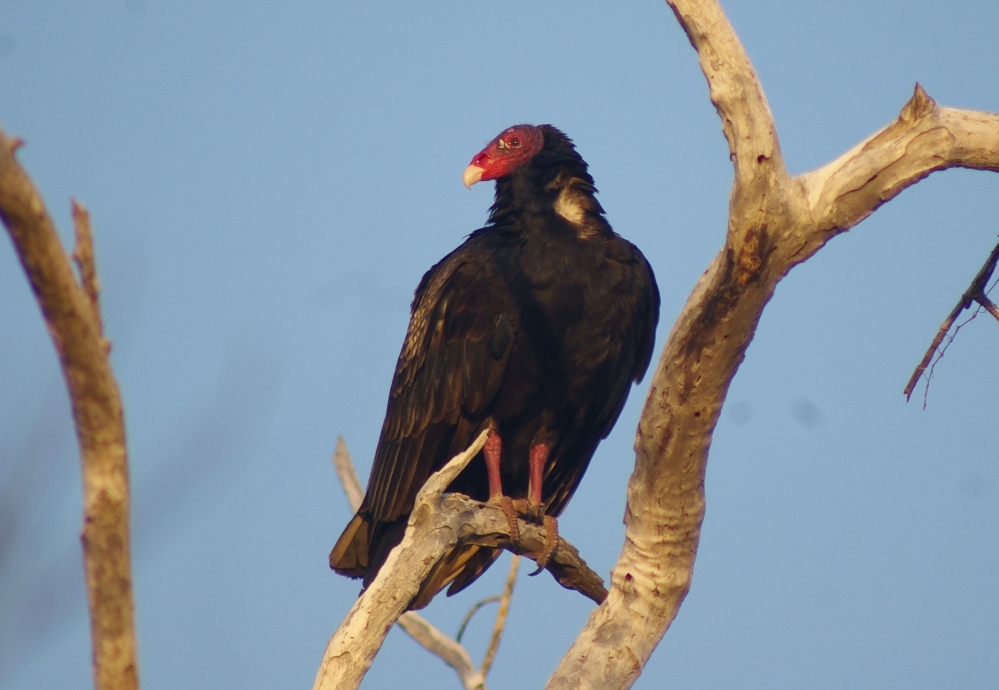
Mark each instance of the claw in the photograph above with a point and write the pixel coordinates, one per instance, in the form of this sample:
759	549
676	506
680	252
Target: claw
506	503
551	544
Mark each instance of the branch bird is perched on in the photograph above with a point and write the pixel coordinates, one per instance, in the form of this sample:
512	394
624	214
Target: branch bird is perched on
534	328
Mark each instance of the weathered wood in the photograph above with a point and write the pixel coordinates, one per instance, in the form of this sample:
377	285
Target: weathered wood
439	522
73	319
775	222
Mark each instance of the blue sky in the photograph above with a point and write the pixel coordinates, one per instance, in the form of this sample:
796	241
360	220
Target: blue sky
268	184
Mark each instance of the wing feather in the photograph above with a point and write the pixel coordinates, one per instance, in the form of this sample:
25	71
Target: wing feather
449	370
627	360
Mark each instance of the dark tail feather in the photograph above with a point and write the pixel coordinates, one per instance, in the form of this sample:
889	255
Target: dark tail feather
463	565
351	554
473	569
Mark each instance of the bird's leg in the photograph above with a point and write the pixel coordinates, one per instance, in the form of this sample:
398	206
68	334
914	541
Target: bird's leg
536	468
493	450
536	508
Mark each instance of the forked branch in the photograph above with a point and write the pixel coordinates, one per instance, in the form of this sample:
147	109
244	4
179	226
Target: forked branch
438	523
974	294
448	649
775	222
72	315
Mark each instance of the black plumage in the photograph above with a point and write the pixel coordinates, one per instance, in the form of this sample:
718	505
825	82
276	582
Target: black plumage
535	327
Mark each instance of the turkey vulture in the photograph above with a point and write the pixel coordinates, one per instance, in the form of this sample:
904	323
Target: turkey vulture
534	328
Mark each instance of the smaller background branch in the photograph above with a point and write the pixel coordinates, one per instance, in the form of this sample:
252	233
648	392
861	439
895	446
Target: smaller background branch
977	293
448	649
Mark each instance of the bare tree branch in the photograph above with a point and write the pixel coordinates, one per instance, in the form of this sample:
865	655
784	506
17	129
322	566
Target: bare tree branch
504	609
466	521
72	318
353	646
437	524
989	306
83	256
974	293
450	651
470	614
734	90
924	139
775	222
345	471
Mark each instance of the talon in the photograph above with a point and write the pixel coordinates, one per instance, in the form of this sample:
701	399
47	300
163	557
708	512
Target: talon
535	512
506	503
551	544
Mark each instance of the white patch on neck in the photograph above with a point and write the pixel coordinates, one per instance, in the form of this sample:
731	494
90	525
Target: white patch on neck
569	207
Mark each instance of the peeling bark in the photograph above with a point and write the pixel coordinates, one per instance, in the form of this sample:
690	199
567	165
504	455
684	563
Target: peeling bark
775	222
438	523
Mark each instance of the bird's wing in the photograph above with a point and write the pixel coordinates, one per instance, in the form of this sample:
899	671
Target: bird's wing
463	323
627	358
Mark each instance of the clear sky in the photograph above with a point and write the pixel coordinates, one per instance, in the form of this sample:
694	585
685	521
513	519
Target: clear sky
267	186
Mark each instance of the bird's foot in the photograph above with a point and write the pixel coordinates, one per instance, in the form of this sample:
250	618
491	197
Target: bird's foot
510	511
551	543
535	512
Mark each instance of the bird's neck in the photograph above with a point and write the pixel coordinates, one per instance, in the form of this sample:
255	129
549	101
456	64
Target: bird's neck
529	198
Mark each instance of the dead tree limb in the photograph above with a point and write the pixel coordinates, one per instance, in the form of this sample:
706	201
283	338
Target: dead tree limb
71	312
504	608
974	293
438	523
775	222
449	650
354	645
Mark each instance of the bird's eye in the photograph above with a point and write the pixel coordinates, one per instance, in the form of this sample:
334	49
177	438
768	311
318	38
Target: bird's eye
515	143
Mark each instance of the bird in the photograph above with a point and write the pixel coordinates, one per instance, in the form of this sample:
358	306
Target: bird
535	329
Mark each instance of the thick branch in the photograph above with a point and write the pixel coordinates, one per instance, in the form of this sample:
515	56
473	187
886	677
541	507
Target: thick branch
775	222
75	329
354	645
416	626
438	523
925	138
450	651
735	91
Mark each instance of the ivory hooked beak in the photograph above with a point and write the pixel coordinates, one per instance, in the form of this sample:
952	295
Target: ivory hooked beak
472	174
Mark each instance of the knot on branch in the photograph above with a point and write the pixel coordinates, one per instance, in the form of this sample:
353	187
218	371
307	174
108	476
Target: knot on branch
918	106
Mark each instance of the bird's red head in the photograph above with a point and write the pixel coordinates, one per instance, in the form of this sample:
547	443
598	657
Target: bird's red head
504	154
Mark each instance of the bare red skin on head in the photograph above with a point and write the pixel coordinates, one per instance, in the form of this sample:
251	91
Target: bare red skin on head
507	152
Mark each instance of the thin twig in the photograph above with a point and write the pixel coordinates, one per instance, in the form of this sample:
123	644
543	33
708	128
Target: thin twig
83	256
73	323
504	609
951	337
974	293
471	614
349	480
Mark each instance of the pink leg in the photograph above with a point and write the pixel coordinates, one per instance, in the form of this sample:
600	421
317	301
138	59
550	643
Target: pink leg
537	461
536	467
492	450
